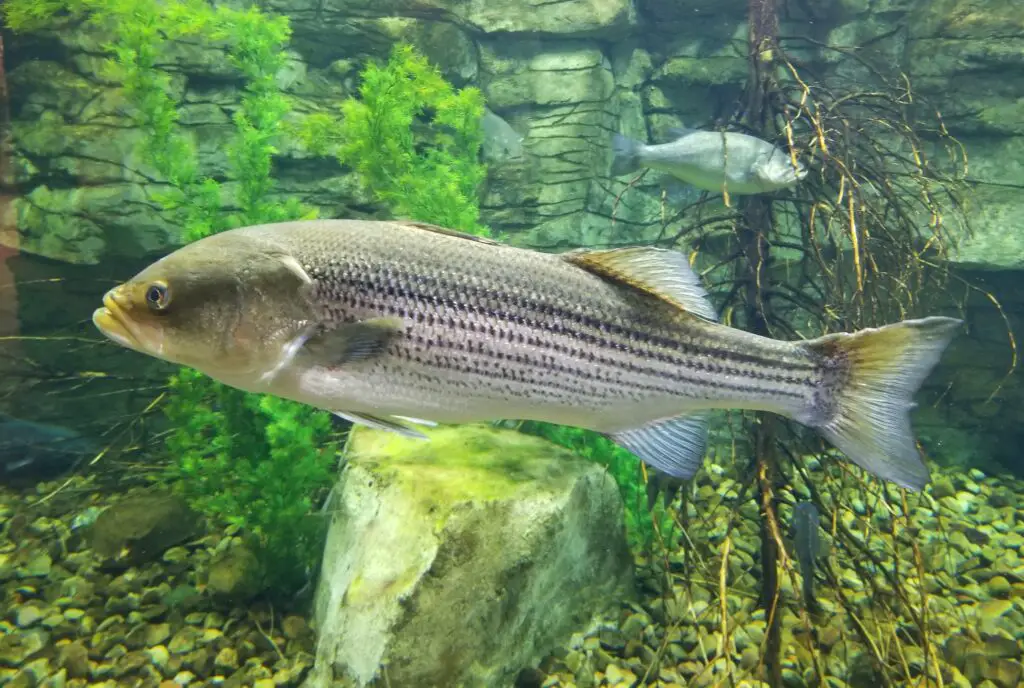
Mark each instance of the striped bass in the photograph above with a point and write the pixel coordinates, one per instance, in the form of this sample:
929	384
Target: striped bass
392	324
712	160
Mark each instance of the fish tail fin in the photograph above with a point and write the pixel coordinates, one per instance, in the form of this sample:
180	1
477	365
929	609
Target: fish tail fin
626	155
869	379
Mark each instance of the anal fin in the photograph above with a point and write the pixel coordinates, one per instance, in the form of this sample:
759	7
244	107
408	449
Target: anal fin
674	446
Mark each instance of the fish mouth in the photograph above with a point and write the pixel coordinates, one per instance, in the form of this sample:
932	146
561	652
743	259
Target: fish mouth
112	321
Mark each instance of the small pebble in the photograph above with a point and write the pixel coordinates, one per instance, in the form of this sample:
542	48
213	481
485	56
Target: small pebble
294	627
159	656
27	615
226	660
184	678
157	634
74	658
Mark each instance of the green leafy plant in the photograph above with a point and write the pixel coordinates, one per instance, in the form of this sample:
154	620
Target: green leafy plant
255	462
412	138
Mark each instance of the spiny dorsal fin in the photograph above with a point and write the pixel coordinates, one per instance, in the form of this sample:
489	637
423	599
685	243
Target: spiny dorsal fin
437	229
660	272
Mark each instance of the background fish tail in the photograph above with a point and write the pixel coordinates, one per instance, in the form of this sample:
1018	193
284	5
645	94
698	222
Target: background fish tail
626	155
869	380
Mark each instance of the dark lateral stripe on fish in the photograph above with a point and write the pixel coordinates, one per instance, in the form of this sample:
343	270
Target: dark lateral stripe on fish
390	289
433	319
528	364
660	346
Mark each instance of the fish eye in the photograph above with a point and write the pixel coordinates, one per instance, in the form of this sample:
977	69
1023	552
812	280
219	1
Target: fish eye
157	296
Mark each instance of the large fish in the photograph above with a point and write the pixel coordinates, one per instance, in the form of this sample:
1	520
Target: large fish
387	322
712	160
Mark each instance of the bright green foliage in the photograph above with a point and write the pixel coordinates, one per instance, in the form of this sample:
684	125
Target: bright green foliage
423	171
255	462
257	43
624	468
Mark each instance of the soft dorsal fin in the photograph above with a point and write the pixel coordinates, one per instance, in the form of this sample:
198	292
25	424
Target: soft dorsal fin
437	229
660	272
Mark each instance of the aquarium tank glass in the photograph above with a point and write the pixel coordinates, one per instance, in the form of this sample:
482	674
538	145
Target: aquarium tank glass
436	343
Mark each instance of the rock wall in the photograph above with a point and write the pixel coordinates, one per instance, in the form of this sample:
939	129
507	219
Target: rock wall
565	74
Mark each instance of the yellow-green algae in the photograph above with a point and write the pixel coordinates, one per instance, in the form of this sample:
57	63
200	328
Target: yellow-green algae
462	463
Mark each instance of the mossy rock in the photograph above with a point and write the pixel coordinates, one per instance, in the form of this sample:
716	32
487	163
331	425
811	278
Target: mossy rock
464	558
235	575
141	527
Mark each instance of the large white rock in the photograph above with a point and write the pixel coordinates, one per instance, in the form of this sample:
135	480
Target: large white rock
463	559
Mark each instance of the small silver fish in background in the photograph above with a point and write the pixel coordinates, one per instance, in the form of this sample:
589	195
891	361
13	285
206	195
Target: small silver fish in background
501	142
385	323
712	160
807	543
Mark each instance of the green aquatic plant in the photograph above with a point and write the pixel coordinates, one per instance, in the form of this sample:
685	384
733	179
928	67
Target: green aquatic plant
257	462
254	462
412	138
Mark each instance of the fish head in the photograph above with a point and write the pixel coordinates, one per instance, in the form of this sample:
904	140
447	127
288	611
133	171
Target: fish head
227	305
780	171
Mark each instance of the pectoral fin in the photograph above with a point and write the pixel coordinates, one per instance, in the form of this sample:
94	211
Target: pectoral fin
758	169
352	342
